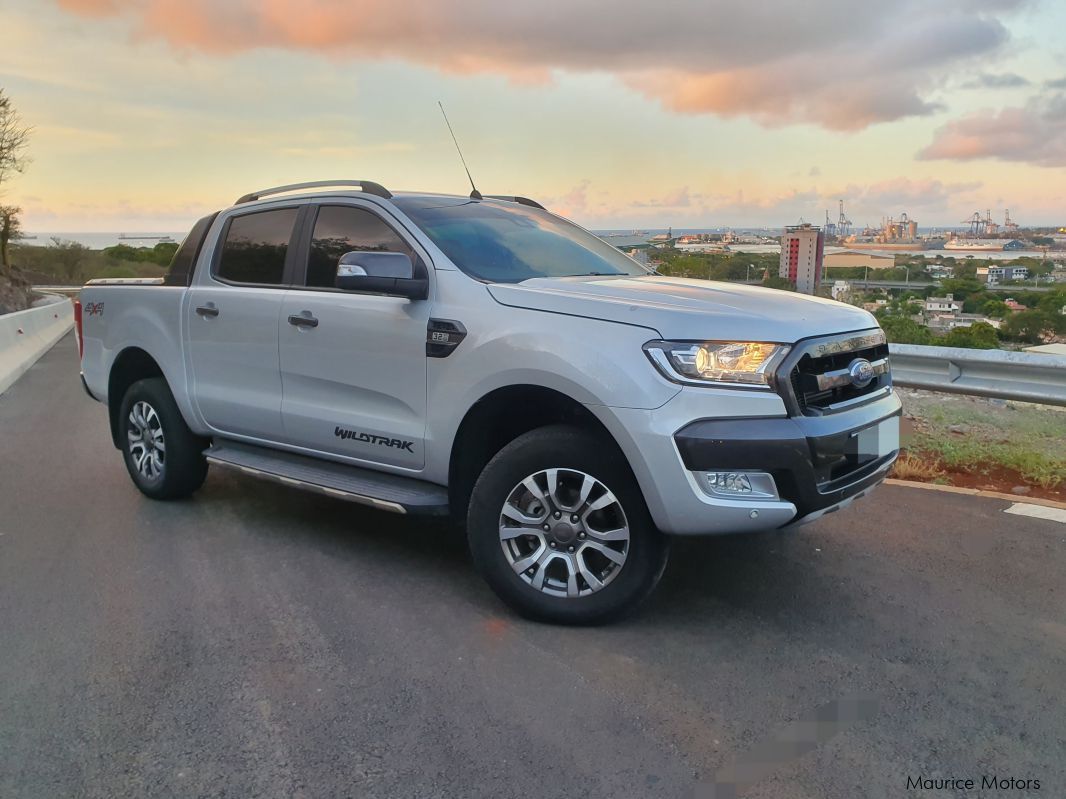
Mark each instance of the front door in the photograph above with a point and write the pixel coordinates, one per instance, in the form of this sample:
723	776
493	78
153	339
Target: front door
353	365
231	315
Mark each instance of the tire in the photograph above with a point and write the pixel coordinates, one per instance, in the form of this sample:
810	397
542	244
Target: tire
562	575
148	417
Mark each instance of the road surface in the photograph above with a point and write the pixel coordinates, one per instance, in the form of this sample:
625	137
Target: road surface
261	642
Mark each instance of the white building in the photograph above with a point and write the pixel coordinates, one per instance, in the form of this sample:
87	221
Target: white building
802	252
942	305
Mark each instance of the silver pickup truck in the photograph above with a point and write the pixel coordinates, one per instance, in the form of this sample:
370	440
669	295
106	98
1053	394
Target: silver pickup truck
484	359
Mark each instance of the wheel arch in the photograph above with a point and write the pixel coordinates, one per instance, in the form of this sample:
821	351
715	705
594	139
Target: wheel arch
499	417
131	365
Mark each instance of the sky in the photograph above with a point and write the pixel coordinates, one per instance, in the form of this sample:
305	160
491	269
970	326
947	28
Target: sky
147	114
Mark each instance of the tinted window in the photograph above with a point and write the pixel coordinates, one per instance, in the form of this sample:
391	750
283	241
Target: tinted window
505	243
340	229
255	247
184	261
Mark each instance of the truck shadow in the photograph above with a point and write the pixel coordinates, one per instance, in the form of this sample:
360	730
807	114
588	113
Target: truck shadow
769	577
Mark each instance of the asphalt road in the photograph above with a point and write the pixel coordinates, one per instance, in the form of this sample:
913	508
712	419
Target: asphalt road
261	642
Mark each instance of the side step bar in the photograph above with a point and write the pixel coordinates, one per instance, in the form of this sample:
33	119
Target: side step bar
379	490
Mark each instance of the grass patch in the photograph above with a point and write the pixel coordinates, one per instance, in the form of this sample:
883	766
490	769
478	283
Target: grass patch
914	467
974	436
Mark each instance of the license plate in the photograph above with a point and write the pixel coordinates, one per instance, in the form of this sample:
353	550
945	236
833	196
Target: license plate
877	440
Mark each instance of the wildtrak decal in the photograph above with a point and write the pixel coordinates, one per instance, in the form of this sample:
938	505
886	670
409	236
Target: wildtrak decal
369	438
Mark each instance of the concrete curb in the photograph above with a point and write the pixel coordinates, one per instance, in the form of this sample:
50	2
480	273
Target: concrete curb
27	335
974	492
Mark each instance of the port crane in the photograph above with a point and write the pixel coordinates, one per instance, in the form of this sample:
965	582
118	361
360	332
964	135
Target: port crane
843	223
991	228
975	223
1008	223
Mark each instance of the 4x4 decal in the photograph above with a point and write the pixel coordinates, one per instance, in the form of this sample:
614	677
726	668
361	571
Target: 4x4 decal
369	438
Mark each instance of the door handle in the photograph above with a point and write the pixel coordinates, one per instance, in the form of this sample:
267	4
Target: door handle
207	310
303	321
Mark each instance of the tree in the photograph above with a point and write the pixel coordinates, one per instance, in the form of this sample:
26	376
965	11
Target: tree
9	229
14	138
1028	326
997	309
68	255
901	330
978	336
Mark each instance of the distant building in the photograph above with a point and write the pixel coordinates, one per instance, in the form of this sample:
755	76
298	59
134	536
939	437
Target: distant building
849	258
942	305
1013	305
874	306
802	251
942	323
994	275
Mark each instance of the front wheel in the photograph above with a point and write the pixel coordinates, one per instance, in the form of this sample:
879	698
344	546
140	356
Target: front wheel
558	528
164	458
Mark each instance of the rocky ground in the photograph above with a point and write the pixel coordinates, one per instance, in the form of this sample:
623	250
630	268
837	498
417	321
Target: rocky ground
16	293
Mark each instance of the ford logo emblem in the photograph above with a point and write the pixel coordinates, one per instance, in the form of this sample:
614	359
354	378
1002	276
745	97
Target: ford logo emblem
861	372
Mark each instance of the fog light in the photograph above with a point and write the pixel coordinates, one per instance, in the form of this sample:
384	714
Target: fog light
735	482
738	485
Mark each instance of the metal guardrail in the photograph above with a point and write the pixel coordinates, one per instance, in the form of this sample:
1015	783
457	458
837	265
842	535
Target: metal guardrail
1023	376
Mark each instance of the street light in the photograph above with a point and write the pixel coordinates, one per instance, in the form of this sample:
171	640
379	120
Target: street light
747	278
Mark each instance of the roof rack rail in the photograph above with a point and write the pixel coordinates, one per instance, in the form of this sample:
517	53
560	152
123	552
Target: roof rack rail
369	186
519	200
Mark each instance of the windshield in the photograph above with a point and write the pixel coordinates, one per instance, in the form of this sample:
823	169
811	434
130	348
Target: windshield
509	243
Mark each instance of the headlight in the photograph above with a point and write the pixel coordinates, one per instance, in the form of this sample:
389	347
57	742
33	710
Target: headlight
746	363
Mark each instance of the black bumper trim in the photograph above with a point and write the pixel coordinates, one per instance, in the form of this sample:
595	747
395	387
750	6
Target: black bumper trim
808	456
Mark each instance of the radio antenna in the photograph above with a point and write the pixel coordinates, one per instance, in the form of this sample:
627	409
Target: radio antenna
474	193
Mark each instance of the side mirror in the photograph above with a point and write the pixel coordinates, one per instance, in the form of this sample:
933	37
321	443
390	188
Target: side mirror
390	273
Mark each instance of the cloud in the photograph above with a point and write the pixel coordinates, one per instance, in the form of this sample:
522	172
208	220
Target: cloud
574	203
1034	134
1008	80
904	194
1057	83
692	56
678	198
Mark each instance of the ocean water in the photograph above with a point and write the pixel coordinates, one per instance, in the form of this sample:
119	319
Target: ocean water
97	241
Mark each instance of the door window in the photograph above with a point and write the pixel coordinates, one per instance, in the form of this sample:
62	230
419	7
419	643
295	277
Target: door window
344	228
255	247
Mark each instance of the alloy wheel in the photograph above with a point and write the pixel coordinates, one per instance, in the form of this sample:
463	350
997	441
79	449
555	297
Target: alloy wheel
564	532
146	444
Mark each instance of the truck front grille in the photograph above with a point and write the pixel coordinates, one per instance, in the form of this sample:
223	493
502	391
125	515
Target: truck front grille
819	380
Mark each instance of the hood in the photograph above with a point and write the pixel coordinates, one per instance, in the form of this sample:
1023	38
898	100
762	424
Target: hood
680	308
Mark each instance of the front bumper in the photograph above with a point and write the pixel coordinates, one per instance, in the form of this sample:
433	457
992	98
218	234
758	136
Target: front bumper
749	430
812	459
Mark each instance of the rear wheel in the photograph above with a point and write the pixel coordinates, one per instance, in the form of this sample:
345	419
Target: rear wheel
558	527
164	458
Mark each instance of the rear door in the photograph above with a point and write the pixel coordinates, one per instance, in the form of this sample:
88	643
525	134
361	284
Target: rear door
353	365
232	322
